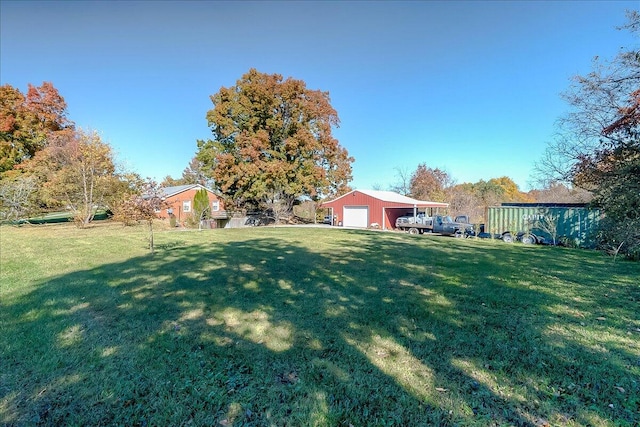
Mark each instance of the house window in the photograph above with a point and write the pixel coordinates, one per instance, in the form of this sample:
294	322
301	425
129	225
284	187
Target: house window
215	205
186	206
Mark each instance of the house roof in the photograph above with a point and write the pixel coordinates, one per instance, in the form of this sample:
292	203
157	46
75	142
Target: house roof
394	198
172	191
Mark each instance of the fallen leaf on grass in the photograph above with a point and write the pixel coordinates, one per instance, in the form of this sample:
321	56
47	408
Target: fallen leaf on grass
620	389
288	378
442	390
601	318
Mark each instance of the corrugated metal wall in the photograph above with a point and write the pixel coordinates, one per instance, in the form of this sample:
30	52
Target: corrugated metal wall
576	224
357	198
382	213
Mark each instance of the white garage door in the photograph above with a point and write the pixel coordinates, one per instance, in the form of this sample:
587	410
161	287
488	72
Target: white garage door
356	216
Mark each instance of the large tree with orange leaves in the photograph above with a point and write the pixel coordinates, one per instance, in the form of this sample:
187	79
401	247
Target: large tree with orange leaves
28	121
430	184
272	143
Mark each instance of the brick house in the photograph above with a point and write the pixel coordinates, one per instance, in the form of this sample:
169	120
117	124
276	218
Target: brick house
179	203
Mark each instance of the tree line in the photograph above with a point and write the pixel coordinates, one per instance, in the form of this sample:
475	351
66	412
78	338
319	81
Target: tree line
437	185
271	144
46	162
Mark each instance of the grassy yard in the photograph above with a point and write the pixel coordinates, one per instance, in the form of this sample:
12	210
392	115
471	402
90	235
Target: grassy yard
312	326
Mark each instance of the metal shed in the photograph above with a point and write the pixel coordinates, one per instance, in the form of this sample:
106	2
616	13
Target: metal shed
375	209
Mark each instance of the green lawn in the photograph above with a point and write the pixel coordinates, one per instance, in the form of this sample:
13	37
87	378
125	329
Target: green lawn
312	326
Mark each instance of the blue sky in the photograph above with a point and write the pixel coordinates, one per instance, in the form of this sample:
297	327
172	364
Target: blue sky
471	87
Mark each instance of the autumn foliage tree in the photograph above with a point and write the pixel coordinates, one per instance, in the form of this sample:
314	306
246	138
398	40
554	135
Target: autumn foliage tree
194	173
77	171
141	204
430	184
426	183
272	141
598	147
596	103
27	122
557	192
46	163
613	173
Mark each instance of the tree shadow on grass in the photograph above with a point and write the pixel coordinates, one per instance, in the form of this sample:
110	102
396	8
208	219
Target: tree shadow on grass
378	330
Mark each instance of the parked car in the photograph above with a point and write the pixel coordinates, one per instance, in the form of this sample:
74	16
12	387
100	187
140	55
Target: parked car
327	219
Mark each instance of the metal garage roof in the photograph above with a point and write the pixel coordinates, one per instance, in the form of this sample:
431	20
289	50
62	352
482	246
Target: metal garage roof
394	198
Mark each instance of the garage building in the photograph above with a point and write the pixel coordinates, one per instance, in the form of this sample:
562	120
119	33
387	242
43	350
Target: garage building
376	209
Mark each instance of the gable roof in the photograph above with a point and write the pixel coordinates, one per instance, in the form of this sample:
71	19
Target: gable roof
394	198
172	191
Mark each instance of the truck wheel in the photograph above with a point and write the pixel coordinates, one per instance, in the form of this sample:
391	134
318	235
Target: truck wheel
507	238
413	230
528	239
458	235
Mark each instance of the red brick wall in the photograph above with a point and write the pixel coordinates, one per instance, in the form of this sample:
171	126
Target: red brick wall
175	203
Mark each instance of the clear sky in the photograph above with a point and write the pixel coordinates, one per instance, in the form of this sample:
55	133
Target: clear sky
471	87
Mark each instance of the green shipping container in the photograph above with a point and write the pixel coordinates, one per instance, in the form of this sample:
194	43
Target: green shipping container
573	224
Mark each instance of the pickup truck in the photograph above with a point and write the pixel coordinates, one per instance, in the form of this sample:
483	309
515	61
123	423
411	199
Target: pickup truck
421	223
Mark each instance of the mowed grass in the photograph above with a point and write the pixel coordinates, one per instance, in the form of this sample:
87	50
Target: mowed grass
312	326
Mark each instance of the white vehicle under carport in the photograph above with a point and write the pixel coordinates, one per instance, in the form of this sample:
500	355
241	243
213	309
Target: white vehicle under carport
443	224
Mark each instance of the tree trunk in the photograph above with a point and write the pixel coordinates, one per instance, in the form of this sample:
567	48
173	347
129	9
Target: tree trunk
151	235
